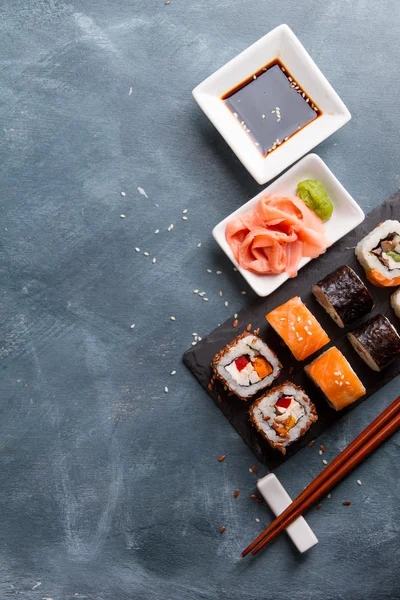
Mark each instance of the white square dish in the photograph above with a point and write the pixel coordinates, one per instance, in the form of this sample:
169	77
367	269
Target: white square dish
346	215
279	44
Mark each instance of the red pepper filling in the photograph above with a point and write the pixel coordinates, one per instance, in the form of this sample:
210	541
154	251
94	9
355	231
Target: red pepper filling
241	362
284	402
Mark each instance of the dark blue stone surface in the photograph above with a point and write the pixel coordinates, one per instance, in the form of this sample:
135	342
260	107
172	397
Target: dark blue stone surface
110	488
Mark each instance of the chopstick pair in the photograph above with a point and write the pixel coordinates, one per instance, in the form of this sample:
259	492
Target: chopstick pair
377	432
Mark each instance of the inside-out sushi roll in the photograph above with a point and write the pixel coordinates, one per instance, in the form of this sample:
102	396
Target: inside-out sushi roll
379	254
344	296
376	341
298	328
246	365
333	373
395	302
283	415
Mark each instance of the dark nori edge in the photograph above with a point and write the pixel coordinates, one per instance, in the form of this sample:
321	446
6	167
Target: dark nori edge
380	339
347	294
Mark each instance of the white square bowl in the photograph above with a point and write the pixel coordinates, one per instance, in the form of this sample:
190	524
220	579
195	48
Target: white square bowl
282	44
346	215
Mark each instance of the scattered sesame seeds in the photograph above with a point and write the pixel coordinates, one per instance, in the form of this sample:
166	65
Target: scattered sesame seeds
166	390
194	343
337	383
172	319
170	228
263	116
273	111
301	339
219	272
226	303
223	529
145	253
130	92
319	506
209	271
298	319
359	482
257	520
324	461
199	245
201	294
173	372
235	316
220	293
122	216
205	299
154	260
322	448
123	193
320	452
142	192
236	493
309	321
157	231
195	291
221	458
167	2
133	326
184	211
184	218
337	373
254	76
137	249
309	332
329	496
347	382
235	114
346	503
235	269
243	292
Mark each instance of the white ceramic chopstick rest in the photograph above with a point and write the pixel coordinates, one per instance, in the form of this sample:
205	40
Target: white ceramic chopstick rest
278	500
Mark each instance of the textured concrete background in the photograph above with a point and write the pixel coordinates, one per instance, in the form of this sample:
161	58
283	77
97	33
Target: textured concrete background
110	488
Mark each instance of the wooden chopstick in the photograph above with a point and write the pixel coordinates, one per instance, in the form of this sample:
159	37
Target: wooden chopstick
353	461
328	473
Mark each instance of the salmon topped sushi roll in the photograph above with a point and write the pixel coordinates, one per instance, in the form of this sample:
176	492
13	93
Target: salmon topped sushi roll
333	374
298	328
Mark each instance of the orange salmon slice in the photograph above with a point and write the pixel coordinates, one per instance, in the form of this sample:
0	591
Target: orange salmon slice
298	328
333	374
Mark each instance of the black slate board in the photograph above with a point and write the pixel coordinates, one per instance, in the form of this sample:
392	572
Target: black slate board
198	358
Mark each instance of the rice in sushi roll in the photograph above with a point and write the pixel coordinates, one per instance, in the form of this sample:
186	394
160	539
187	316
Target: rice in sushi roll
283	415
246	365
379	254
344	296
395	302
376	341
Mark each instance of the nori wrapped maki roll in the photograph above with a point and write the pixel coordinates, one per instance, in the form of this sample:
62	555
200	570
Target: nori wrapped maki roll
376	341
344	296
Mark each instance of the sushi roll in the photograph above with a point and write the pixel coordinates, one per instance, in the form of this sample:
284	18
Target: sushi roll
379	254
298	328
332	373
246	365
376	341
344	296
283	415
395	302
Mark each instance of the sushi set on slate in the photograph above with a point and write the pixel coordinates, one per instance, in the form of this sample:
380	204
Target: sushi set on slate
289	366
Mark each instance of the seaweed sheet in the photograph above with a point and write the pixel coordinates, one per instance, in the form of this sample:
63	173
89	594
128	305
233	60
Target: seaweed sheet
198	358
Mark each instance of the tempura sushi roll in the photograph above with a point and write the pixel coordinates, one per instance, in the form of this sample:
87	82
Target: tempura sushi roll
332	373
298	328
283	415
246	365
379	254
344	296
376	341
395	302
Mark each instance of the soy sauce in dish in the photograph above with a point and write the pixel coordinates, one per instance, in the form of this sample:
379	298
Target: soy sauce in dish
271	106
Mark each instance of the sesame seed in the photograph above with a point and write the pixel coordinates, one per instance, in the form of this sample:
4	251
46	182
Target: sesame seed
199	245
254	76
219	272
309	322
324	461
173	372
235	114
157	231
305	328
282	319
195	291
205	299
342	377
257	520
201	294
184	211
309	332
122	216
272	111
146	253
133	326
290	79
340	382
226	303
307	99
235	316
359	482
301	339
320	452
123	194
286	138
292	328
194	333
298	319
235	269
196	337
137	249
329	496
170	228
209	271
154	260
263	116
337	373
194	343
184	218
199	338
243	292
220	293
347	382
337	383
172	319
166	390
